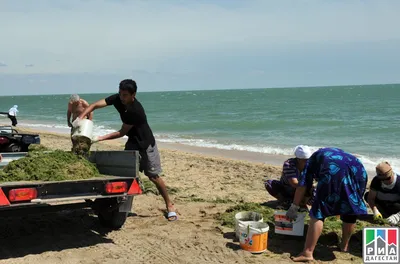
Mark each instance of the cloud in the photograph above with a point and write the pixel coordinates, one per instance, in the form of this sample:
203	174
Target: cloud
29	65
88	34
3	64
178	44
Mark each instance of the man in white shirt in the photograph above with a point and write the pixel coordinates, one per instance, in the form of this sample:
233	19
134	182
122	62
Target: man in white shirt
76	106
12	114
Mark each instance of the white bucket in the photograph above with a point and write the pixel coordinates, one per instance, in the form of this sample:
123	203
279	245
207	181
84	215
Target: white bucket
85	129
285	227
253	236
243	217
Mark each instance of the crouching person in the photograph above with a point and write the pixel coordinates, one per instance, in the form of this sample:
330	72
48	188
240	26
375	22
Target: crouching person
384	194
284	188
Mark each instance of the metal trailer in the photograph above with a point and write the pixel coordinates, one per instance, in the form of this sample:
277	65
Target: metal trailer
109	196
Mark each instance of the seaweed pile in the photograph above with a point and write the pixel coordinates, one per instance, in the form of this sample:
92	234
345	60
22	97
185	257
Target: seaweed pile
332	224
81	145
55	165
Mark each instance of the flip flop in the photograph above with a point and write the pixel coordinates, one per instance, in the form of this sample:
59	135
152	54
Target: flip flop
172	216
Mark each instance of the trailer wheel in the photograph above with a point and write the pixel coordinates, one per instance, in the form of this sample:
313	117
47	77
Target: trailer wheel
13	147
112	219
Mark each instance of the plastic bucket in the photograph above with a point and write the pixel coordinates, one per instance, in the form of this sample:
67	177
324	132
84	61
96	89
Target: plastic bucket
253	236
243	217
84	130
285	227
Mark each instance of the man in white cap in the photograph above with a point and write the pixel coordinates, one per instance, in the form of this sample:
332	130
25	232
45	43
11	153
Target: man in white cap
384	194
12	114
284	188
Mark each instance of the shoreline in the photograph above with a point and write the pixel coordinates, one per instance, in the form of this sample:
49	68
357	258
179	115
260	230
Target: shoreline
241	155
238	155
243	152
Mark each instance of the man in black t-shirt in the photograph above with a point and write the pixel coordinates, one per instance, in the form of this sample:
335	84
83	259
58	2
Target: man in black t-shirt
384	194
140	135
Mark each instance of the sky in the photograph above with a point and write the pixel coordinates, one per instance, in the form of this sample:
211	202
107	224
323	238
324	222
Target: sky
88	46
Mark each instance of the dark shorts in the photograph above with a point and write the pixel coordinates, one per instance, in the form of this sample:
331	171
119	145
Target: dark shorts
348	219
150	162
276	188
13	119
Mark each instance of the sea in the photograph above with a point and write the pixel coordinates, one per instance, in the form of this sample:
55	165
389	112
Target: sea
361	119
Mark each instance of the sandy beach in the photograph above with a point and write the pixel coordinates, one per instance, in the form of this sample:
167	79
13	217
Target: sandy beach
200	178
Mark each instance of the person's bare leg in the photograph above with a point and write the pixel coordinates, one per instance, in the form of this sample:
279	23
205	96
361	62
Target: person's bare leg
314	232
160	184
347	231
304	202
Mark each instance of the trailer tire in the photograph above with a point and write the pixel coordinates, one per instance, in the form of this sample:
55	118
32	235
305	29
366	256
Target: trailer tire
14	147
112	219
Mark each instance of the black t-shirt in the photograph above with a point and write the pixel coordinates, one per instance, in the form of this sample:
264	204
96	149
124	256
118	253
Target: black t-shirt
134	115
384	194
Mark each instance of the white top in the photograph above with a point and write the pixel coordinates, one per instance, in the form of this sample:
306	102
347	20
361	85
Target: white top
302	152
13	110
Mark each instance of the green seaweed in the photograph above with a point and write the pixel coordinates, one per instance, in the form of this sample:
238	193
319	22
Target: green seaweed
81	145
39	147
49	166
150	187
334	225
228	217
331	224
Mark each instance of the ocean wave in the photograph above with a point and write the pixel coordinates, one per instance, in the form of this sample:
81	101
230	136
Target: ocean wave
98	130
368	161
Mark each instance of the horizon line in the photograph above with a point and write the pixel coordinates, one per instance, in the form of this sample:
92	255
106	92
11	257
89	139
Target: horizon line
221	89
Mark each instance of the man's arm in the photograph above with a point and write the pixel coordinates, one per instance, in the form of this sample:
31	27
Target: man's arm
373	191
122	132
293	182
289	171
304	180
371	198
69	115
96	105
371	202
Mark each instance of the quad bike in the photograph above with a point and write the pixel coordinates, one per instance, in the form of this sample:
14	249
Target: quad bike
12	141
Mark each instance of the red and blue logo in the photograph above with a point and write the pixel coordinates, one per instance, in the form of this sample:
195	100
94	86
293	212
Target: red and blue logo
381	245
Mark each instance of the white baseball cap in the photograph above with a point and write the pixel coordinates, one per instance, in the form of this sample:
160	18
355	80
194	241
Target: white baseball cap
302	152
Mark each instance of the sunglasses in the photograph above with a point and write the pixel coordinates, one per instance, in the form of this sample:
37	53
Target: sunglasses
384	179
